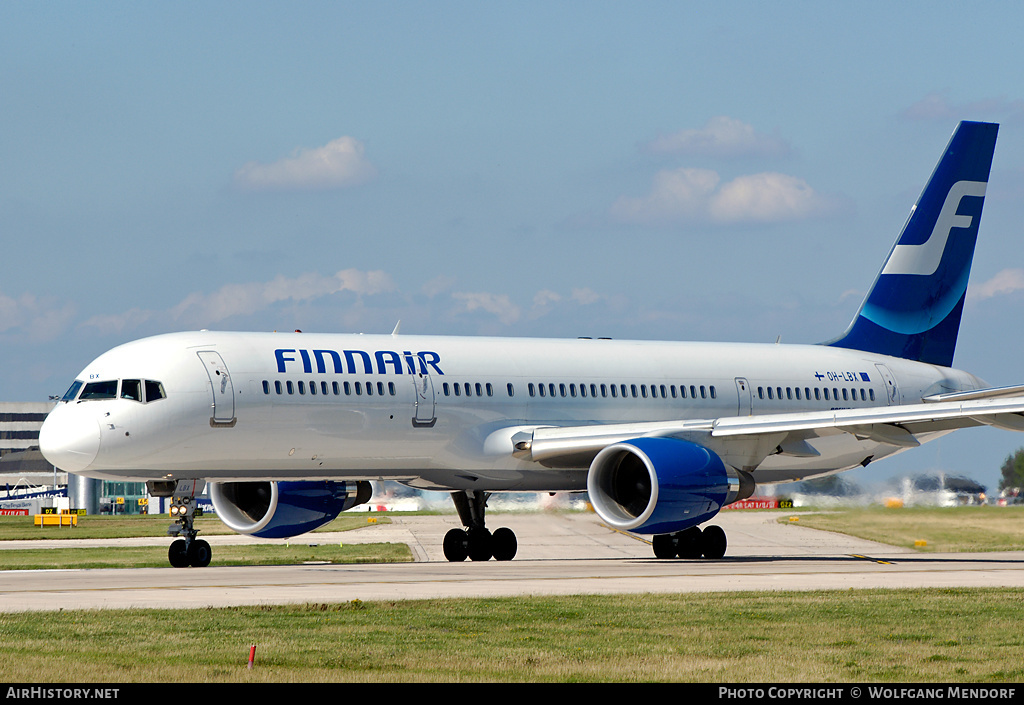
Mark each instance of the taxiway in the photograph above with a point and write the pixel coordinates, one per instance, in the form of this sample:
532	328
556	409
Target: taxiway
570	553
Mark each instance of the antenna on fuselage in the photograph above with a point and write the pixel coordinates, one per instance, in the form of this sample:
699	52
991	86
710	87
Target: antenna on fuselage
397	326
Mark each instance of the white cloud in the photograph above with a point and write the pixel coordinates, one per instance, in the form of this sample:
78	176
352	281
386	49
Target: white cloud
337	164
676	195
497	304
437	285
235	299
585	296
765	198
723	137
545	298
42	319
1005	282
203	309
693	196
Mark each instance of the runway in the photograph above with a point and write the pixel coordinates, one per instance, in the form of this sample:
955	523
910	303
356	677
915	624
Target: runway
559	554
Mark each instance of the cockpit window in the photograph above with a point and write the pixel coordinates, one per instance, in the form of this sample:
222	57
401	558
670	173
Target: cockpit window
131	389
154	391
100	390
72	391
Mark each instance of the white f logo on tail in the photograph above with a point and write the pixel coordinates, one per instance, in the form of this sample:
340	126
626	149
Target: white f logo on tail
924	259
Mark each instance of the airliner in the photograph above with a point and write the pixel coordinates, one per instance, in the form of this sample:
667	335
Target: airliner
288	429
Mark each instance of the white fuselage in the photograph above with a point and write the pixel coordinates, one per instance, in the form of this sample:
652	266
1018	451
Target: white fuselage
440	412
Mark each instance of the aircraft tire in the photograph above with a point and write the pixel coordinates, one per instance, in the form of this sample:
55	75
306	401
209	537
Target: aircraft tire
690	542
504	544
455	546
665	546
176	554
480	545
199	554
714	542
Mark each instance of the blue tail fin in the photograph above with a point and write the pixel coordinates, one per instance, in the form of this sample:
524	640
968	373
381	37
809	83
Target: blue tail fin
913	308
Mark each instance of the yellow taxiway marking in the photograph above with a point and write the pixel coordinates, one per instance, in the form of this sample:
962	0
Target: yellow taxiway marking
876	560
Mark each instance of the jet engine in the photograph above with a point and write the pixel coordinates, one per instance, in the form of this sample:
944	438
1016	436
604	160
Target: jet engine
662	485
277	510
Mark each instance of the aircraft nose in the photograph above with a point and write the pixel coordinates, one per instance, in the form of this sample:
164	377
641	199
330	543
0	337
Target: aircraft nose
70	439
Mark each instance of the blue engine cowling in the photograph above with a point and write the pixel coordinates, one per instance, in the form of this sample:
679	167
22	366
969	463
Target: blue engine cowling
661	485
278	510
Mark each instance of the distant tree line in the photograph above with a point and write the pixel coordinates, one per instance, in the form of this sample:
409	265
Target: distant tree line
1013	471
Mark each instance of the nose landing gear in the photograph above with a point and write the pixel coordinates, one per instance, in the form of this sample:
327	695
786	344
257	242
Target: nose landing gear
187	550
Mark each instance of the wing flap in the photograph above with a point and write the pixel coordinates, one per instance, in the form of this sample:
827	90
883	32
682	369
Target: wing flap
990	393
971	412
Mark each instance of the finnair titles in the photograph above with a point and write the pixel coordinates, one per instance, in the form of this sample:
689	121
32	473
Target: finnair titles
383	358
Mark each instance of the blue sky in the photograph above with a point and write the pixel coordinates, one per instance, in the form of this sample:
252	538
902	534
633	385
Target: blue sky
734	171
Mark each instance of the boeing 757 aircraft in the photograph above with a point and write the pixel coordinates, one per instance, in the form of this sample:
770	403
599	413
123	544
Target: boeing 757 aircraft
288	429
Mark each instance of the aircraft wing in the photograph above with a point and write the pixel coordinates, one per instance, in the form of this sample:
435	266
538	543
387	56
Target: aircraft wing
744	441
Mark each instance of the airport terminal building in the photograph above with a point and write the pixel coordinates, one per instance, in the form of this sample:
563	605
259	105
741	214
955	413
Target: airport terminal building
28	481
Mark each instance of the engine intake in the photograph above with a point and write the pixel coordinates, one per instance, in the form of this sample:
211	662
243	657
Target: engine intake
662	485
277	510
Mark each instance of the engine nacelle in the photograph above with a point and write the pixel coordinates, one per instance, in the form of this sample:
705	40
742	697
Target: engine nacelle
662	485
278	510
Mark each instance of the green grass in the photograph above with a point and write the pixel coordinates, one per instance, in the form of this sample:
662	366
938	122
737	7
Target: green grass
879	635
945	529
248	554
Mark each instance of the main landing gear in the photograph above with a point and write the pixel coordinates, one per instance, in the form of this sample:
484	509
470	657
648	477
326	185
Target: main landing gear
187	550
475	541
691	543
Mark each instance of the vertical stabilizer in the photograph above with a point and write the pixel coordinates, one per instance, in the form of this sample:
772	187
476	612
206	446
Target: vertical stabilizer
913	308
